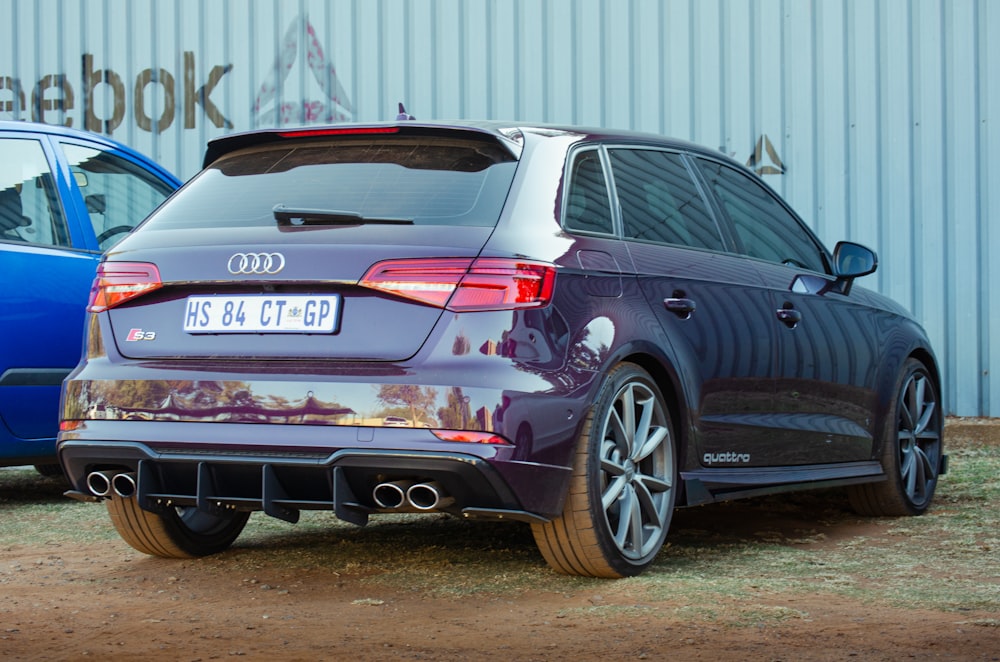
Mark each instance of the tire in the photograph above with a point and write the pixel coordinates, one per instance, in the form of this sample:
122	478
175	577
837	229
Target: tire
621	493
49	470
911	450
178	533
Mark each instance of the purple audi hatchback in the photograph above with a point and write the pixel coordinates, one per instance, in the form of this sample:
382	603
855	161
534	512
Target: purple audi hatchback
579	329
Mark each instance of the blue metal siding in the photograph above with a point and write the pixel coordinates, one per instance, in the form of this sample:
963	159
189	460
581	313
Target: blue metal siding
877	120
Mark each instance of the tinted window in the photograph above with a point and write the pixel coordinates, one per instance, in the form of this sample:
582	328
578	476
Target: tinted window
29	209
118	194
659	200
588	206
426	180
763	225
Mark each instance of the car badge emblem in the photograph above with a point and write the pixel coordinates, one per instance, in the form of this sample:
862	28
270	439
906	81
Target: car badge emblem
255	263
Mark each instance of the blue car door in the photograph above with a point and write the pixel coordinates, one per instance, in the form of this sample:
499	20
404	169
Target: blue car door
63	200
45	278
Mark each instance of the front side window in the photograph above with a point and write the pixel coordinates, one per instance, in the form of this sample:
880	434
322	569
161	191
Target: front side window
765	228
29	207
118	194
588	205
660	201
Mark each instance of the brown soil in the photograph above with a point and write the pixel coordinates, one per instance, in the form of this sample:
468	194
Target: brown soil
70	606
103	601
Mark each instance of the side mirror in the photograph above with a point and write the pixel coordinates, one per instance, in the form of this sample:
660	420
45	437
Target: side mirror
96	203
852	260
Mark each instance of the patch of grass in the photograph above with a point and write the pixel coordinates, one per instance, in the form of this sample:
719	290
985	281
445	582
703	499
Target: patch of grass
35	512
946	560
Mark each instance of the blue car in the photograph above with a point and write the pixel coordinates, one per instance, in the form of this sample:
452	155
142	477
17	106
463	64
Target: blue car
65	197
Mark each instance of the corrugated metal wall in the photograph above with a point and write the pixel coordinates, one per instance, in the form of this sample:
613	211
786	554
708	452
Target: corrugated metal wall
876	119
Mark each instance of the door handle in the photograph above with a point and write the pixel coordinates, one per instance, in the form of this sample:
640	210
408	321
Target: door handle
680	307
789	316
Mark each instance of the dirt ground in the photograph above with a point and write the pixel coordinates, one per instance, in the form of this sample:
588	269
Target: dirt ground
152	610
103	601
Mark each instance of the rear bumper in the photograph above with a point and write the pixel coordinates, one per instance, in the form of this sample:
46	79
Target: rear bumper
219	467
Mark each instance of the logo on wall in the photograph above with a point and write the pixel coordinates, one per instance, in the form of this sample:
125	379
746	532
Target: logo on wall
765	160
301	38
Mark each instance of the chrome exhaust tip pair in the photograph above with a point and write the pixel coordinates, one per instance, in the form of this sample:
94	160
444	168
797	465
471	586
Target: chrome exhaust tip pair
104	483
407	493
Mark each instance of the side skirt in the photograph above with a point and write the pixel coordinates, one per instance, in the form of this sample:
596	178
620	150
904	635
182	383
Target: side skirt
710	485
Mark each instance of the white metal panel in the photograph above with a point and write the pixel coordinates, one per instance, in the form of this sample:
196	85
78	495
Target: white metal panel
560	53
930	220
963	346
988	279
895	182
830	172
877	119
679	102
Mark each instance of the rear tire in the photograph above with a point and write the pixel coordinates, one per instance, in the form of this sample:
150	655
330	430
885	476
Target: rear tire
911	450
177	533
49	470
622	490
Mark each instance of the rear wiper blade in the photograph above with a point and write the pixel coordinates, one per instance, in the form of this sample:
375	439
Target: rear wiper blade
300	216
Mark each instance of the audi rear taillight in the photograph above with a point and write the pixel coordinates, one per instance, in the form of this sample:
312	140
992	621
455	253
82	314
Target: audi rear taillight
465	284
118	282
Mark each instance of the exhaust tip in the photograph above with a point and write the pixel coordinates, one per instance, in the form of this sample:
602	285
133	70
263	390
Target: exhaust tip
428	496
391	494
124	485
99	483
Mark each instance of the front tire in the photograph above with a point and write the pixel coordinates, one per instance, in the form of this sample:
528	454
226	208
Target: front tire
911	450
622	490
176	533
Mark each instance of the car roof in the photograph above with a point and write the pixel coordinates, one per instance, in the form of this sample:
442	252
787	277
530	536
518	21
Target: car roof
508	133
57	130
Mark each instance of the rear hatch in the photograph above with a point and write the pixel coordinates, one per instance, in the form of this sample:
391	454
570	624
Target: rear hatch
309	244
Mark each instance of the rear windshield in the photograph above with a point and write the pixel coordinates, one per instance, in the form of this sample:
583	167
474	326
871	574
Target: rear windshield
426	180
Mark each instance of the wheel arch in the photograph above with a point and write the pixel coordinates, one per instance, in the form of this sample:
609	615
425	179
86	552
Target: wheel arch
672	388
925	356
901	349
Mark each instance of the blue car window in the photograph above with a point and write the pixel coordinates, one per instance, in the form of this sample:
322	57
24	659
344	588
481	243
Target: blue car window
118	193
29	209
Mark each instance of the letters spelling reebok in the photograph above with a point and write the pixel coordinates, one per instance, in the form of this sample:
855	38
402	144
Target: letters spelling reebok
54	92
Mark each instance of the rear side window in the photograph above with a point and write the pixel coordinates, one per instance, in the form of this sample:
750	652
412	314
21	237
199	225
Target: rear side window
660	201
426	180
588	205
765	228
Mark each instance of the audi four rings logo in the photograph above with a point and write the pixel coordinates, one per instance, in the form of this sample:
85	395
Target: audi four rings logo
256	263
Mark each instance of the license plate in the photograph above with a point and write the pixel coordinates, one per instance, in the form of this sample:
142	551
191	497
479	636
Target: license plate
298	313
